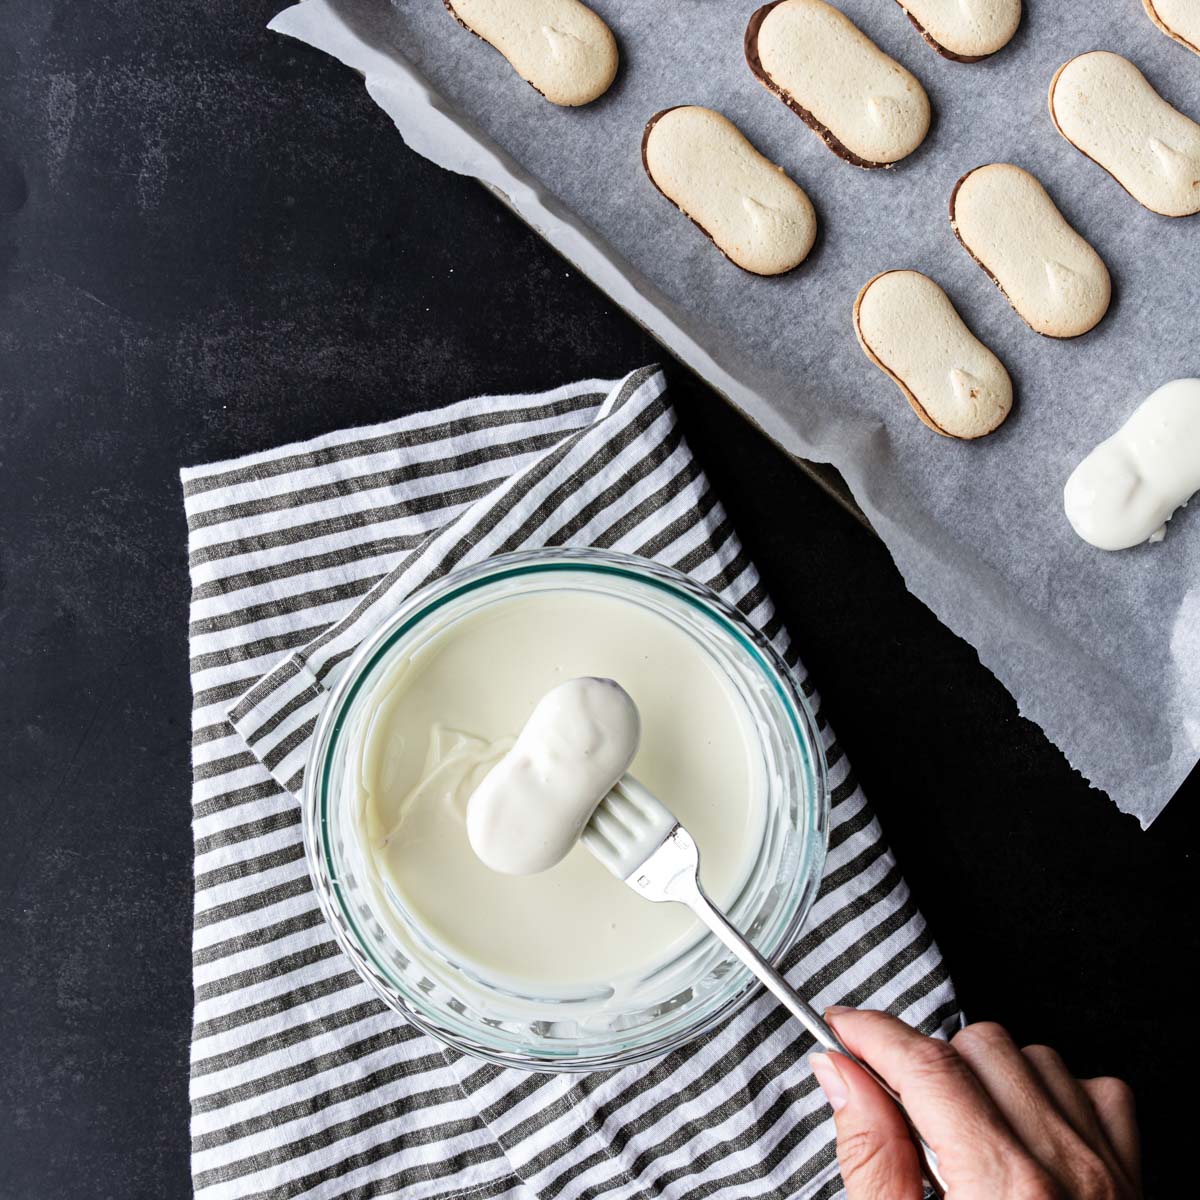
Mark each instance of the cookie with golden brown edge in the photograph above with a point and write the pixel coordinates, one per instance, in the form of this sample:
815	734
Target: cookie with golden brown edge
561	48
1008	224
1108	110
1178	19
862	104
757	216
964	30
908	328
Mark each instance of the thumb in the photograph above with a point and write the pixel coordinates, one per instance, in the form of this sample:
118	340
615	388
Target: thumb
876	1154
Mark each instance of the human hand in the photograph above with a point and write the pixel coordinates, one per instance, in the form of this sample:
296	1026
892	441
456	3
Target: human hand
1005	1123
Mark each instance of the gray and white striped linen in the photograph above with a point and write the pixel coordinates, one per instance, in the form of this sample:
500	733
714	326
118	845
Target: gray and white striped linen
303	1083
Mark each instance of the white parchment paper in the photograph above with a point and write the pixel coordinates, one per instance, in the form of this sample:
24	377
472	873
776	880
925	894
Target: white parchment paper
1101	650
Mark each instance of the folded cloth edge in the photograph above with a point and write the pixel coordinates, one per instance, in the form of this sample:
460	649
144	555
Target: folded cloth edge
281	738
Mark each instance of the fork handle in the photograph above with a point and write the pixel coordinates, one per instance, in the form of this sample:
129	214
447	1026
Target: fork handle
775	983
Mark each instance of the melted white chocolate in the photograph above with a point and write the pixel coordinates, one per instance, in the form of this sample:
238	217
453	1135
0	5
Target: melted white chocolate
437	722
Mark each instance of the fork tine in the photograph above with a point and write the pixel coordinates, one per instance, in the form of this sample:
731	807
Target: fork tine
599	845
618	801
627	826
611	827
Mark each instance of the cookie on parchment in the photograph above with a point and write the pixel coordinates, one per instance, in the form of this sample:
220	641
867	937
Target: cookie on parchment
862	104
754	213
964	30
1008	224
908	328
1178	19
1107	109
559	47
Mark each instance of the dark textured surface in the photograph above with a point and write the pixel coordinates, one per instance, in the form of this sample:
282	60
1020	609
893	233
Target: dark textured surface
211	242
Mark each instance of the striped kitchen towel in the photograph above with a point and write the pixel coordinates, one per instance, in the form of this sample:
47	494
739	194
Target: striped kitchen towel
302	1082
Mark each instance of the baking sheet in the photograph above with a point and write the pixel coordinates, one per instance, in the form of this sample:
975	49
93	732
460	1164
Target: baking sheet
1101	650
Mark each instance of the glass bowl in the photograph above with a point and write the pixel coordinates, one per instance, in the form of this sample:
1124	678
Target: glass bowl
676	1000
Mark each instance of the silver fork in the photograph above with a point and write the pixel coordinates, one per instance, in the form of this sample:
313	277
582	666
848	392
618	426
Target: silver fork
636	837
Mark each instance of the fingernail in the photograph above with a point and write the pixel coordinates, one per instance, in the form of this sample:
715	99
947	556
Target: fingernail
831	1081
834	1009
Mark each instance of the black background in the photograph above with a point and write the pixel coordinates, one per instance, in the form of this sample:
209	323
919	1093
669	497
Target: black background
212	242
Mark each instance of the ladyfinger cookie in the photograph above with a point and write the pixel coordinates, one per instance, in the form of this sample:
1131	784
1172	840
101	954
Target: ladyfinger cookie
755	215
1105	107
1178	19
908	328
1125	491
559	47
862	104
964	30
1008	224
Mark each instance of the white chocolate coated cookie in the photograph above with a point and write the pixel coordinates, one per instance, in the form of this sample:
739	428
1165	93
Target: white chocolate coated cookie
560	47
758	217
1009	225
1126	490
908	328
1105	107
965	30
864	105
1178	19
529	810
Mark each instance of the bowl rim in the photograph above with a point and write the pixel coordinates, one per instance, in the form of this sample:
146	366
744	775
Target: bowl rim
436	593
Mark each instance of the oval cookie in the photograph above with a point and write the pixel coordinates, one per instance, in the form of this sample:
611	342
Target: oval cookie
757	217
1008	224
908	328
1105	107
862	104
1178	19
559	47
1127	488
964	30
